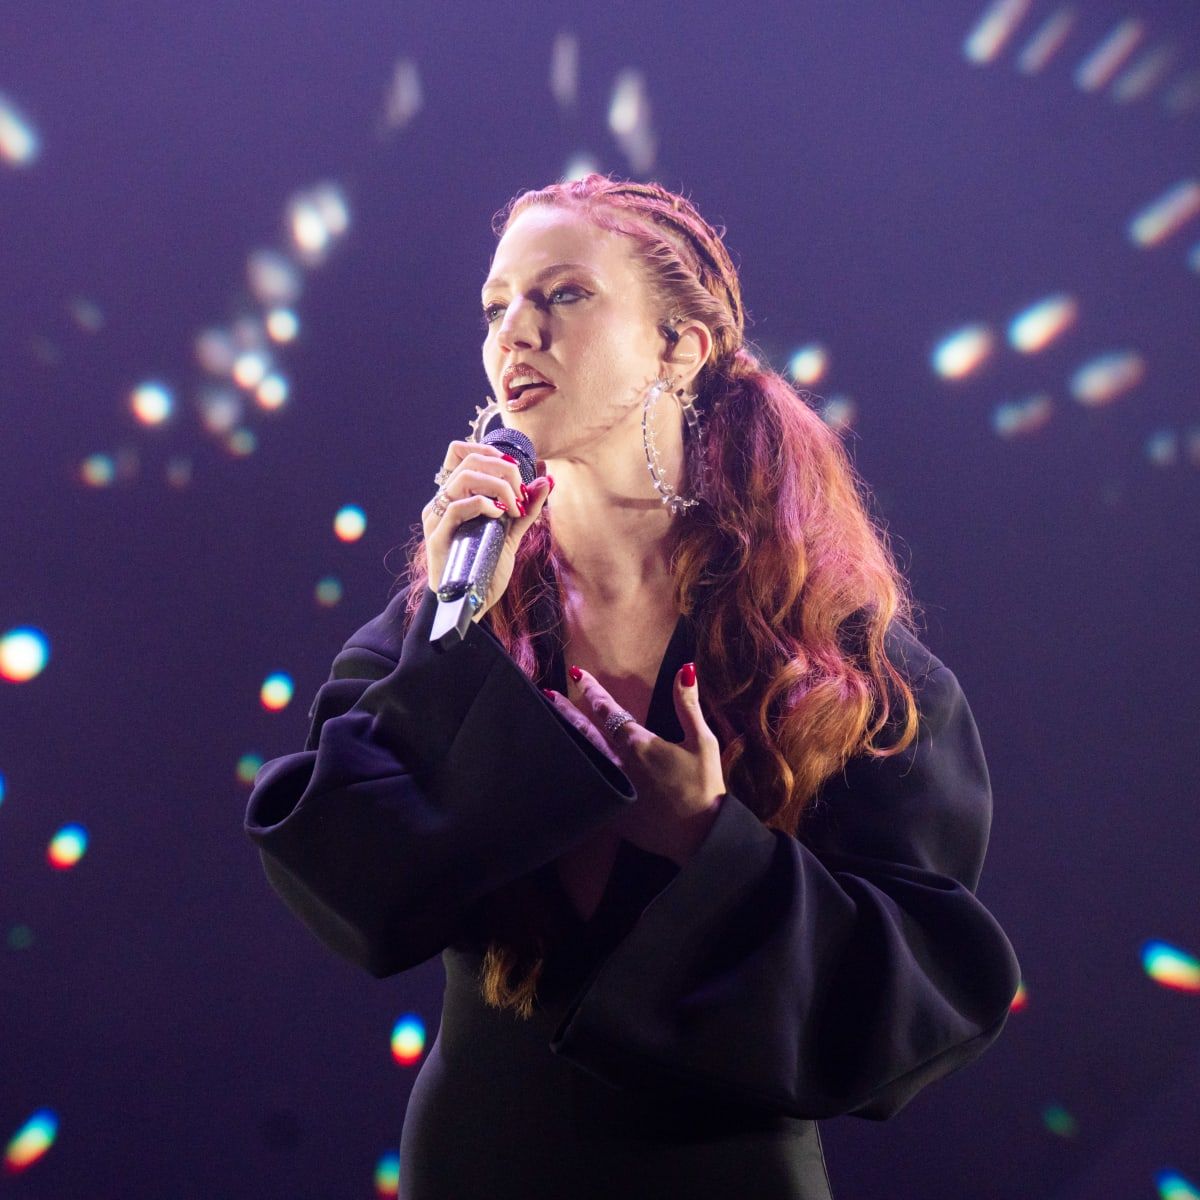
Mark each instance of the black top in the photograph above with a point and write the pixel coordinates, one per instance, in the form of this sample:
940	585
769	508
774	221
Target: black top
689	1033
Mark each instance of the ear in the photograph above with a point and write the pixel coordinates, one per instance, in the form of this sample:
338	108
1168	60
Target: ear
687	355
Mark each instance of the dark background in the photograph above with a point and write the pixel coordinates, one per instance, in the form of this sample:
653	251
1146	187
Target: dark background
880	190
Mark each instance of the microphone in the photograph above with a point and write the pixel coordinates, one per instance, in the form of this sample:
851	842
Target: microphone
474	551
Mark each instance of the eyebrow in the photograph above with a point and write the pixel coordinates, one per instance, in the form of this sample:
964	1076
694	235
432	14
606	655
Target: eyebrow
553	269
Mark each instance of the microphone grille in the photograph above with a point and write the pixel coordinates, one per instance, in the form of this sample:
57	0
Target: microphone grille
519	445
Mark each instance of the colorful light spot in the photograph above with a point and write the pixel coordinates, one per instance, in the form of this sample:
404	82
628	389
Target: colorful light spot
250	368
24	652
20	937
404	95
328	591
272	392
1164	216
580	164
32	1140
178	472
1105	378
1018	417
282	325
276	691
1170	966
152	403
350	523
809	364
97	470
216	351
220	409
1020	998
247	767
241	442
273	278
387	1174
1058	1120
1042	323
67	846
1	787
408	1040
963	352
19	143
1173	1186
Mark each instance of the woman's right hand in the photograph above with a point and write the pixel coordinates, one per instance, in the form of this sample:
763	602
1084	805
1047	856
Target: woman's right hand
480	475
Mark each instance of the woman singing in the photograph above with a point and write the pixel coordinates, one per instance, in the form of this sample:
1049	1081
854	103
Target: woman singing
693	817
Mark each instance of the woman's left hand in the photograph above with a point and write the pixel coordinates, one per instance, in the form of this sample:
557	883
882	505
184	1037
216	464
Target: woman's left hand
680	785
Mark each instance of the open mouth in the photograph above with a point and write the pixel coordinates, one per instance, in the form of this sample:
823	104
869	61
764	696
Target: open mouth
531	393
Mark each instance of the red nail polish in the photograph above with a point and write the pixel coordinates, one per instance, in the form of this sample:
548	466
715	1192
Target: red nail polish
508	458
525	493
548	693
551	478
500	505
689	674
576	674
521	508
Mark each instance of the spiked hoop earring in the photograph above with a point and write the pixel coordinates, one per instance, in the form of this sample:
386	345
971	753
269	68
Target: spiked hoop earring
694	433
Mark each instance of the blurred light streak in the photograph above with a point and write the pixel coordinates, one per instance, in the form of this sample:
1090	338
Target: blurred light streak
629	120
564	69
962	352
1162	217
1170	966
19	142
1107	377
387	1174
1018	417
1097	70
404	98
1046	42
32	1140
1041	323
985	42
1145	74
1173	1186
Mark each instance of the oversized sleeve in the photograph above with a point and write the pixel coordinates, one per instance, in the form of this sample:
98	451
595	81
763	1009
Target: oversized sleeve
419	791
838	971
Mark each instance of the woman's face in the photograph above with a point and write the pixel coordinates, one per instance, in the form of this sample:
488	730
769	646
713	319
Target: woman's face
566	298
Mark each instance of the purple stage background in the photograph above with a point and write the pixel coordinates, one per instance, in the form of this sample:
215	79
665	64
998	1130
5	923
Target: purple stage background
900	184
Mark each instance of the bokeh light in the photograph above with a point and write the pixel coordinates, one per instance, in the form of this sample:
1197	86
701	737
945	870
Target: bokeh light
247	768
1107	377
1170	966
1042	323
1173	1186
387	1174
32	1140
24	653
1058	1120
350	523
19	142
408	1040
67	847
328	591
276	691
963	352
152	403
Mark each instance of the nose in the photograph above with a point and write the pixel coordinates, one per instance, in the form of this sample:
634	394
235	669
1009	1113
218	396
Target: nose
520	327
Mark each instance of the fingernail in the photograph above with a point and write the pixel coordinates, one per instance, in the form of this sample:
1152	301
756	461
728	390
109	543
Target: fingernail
525	493
548	693
521	508
576	674
500	505
508	458
689	674
551	478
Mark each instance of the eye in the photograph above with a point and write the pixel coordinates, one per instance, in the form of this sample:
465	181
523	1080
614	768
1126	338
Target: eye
492	311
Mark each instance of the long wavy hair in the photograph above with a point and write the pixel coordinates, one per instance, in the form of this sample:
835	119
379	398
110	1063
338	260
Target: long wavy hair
790	581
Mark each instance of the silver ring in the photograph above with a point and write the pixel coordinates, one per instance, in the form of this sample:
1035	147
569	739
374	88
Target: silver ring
441	502
441	477
614	721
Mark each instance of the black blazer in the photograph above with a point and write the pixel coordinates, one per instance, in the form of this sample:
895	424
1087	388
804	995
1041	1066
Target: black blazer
839	970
